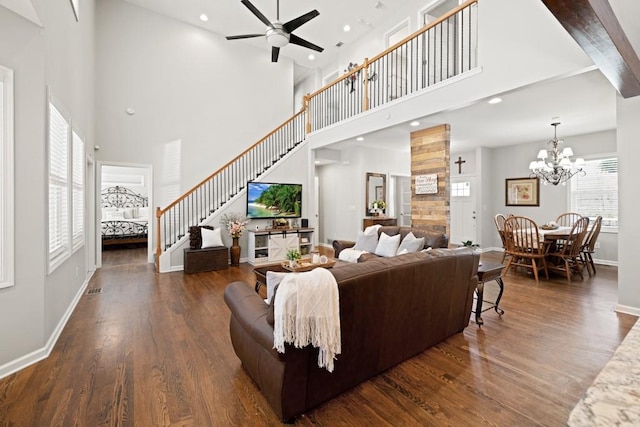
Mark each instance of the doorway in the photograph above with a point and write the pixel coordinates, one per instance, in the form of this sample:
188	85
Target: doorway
135	180
402	200
463	210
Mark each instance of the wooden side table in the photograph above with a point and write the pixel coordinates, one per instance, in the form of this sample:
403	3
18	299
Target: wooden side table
488	271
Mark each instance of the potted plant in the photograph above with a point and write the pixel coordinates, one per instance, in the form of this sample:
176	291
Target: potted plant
470	244
378	206
293	255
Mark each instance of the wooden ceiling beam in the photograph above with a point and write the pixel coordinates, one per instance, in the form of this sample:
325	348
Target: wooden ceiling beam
593	24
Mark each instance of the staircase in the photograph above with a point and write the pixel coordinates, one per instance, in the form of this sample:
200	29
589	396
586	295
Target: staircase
443	49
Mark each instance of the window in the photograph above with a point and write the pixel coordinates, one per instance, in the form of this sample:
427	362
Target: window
59	135
596	193
6	178
77	194
461	189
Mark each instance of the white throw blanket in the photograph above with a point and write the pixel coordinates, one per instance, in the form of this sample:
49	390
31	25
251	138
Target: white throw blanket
350	255
307	311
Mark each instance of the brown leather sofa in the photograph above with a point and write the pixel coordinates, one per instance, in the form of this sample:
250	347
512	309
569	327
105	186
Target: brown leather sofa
390	310
432	239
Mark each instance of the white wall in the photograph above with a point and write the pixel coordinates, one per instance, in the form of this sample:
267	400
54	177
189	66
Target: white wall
628	196
342	188
199	101
61	56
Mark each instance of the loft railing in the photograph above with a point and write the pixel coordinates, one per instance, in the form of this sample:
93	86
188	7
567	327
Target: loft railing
173	222
440	50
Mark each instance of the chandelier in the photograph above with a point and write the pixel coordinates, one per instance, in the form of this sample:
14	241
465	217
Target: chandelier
555	166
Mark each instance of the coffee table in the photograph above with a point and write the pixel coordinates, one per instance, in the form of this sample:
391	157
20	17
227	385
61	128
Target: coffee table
488	271
261	274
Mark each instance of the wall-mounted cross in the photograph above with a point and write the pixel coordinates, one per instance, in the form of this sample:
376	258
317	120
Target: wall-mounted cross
459	163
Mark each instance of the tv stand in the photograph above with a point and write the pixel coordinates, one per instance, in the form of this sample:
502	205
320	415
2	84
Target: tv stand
271	245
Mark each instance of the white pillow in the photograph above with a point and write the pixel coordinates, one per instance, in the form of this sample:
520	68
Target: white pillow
130	213
366	242
403	251
426	250
372	229
411	243
115	216
388	245
143	212
105	212
273	280
211	238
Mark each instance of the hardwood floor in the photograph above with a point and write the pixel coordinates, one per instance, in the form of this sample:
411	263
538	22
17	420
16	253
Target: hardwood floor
154	349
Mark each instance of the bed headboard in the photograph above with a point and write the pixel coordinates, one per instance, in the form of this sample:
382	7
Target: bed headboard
122	197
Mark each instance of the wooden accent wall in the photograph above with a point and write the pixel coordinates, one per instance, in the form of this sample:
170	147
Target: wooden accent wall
429	155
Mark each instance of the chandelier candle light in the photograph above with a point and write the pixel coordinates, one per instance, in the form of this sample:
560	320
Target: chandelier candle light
555	166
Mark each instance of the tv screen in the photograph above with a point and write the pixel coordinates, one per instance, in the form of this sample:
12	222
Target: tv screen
269	200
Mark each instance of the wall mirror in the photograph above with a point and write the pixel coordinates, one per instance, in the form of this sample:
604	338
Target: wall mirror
376	189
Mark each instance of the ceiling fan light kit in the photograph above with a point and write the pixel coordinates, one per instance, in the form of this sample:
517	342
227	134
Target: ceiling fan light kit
278	34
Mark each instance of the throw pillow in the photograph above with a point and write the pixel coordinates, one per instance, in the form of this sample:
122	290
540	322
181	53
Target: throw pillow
195	236
273	280
143	212
372	229
387	245
115	216
211	238
366	242
411	244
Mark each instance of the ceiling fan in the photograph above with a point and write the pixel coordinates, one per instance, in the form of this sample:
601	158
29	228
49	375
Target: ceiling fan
278	34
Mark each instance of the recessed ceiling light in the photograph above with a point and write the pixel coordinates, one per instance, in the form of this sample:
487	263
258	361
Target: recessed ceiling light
415	123
204	18
317	162
346	28
311	57
495	100
359	138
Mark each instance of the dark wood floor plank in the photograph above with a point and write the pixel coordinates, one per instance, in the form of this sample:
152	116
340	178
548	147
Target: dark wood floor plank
154	349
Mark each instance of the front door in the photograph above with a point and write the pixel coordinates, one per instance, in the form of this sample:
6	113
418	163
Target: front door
463	210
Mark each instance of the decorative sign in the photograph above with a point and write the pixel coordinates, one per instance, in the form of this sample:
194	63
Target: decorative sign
427	184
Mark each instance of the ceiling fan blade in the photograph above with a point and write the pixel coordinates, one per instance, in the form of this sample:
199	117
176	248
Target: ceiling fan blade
295	23
244	36
275	51
302	42
256	12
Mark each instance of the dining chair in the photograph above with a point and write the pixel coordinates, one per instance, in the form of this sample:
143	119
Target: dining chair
524	245
567	219
589	246
499	220
566	259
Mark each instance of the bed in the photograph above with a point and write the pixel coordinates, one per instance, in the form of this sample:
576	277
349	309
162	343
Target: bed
125	216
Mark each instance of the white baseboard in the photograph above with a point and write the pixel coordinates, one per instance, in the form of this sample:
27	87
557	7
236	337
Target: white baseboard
634	311
44	352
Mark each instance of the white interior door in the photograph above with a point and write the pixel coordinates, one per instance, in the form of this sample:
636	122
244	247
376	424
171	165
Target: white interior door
403	190
463	210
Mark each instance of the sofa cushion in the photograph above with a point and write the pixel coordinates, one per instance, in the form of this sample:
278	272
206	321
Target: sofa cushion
387	245
410	244
366	242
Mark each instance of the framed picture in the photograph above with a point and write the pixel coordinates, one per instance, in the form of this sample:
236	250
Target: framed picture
379	192
75	4
522	192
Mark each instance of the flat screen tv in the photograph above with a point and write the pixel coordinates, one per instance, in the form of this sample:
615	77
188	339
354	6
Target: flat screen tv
271	200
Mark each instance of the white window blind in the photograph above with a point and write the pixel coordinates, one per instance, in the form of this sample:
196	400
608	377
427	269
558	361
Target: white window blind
59	135
77	196
596	193
6	179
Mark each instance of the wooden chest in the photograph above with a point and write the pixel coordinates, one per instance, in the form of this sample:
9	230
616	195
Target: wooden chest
208	259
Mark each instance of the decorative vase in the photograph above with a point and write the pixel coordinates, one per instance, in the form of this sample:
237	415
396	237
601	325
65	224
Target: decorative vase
293	263
235	252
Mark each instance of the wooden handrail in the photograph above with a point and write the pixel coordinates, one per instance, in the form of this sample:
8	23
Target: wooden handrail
161	212
397	45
